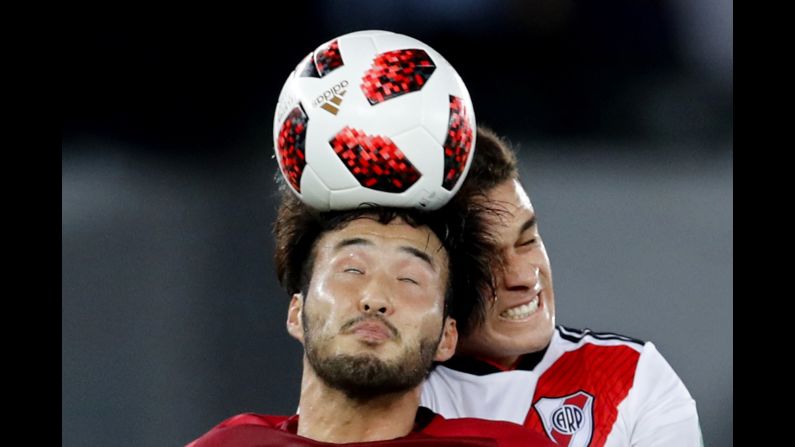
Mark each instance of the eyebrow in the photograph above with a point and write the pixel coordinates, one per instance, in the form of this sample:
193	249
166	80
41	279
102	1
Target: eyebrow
530	223
404	248
420	254
352	241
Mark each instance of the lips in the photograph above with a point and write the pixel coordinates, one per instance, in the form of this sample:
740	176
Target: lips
370	329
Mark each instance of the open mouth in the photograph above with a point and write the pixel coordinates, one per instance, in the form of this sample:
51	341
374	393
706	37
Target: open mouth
522	311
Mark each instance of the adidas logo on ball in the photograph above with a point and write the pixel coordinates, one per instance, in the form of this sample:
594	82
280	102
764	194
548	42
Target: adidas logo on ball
331	99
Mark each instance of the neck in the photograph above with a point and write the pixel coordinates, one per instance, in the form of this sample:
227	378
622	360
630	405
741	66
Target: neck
328	415
473	350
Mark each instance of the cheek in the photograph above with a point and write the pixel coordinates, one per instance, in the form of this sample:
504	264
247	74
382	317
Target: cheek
325	303
544	259
424	320
493	313
436	309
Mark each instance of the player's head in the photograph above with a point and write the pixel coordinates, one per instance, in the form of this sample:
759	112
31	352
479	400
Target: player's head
521	317
371	290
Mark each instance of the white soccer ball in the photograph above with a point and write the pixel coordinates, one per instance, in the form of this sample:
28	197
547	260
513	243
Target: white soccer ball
374	117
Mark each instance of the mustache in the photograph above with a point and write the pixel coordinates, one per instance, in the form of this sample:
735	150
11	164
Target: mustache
350	323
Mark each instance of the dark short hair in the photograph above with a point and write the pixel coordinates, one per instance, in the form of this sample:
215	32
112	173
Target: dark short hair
494	162
461	231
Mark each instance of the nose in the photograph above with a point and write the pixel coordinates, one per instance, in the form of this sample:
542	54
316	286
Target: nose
520	273
376	298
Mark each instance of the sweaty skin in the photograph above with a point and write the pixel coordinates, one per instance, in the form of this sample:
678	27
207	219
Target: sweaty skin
376	293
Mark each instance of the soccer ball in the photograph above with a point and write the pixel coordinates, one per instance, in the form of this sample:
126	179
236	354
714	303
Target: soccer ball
374	117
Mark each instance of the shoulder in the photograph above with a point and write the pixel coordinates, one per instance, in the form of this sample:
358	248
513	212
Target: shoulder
254	419
640	359
239	429
656	379
660	406
580	355
584	349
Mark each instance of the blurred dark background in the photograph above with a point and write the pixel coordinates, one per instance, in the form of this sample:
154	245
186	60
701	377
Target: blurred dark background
172	317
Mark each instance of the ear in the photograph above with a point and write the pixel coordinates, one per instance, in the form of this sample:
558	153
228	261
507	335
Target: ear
295	325
447	344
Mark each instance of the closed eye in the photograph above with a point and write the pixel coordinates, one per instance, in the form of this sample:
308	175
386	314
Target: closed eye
409	280
527	242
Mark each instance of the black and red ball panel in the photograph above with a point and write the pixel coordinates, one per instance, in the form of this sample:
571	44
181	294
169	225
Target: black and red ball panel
309	70
395	73
291	141
375	161
323	61
458	144
328	58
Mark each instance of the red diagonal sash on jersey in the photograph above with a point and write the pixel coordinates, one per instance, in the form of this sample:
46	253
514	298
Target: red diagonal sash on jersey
583	389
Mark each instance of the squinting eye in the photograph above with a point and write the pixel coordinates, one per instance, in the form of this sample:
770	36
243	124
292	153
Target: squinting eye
408	280
353	270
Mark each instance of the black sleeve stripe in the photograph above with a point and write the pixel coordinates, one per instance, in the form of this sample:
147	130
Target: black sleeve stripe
576	335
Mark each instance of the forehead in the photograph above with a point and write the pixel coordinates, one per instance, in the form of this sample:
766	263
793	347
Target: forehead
396	233
511	197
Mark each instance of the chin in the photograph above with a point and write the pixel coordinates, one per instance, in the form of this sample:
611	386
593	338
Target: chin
530	340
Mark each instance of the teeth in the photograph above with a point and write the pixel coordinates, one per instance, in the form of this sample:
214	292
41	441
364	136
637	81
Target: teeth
521	312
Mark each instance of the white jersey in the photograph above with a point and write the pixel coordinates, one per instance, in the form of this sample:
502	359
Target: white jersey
586	389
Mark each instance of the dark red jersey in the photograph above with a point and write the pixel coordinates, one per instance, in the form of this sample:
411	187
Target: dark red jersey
430	429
